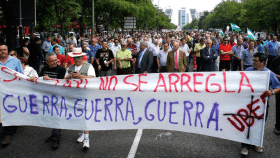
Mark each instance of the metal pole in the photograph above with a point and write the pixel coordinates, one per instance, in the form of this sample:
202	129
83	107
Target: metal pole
92	23
158	14
20	31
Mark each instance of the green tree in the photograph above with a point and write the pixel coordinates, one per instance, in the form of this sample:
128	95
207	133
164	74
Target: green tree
58	12
200	24
85	14
110	12
47	15
192	25
250	15
65	11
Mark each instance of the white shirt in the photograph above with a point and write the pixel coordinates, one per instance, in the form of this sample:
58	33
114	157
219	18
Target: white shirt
155	49
162	56
30	72
185	49
159	40
138	46
46	46
91	71
72	41
115	48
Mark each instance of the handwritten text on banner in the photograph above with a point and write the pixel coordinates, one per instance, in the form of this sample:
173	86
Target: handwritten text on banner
211	103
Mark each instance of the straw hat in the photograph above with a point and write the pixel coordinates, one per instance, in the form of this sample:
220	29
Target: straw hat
77	52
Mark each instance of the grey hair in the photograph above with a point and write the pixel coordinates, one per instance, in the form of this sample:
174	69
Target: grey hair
208	40
124	42
84	44
48	55
239	39
129	39
156	41
144	43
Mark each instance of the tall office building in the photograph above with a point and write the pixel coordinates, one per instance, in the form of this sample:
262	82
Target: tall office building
169	12
194	14
188	20
184	17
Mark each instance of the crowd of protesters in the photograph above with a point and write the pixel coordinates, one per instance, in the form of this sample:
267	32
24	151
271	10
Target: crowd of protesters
97	55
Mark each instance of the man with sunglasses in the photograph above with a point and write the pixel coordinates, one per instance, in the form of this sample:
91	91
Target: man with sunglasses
226	53
259	60
80	70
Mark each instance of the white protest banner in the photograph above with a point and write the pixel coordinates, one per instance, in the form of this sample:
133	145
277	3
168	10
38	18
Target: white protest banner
216	104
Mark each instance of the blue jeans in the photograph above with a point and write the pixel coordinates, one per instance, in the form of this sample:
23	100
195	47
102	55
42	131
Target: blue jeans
188	63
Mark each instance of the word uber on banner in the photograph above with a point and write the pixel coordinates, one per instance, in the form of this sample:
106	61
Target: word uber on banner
229	105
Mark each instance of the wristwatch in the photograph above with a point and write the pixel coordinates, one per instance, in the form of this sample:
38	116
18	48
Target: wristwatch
272	92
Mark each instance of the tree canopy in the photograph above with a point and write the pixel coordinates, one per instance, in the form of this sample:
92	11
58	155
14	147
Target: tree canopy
257	15
110	13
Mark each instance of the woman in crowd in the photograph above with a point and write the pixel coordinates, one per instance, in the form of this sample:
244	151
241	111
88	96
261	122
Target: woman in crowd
25	49
27	70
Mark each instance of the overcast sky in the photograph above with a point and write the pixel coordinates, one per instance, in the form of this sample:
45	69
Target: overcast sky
199	5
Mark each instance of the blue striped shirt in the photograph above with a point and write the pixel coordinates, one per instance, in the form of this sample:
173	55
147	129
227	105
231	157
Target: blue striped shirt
247	57
14	64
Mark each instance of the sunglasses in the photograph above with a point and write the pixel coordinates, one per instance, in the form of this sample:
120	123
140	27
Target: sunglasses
77	57
123	45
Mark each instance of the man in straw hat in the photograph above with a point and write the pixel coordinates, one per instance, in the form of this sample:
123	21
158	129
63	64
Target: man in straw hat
80	70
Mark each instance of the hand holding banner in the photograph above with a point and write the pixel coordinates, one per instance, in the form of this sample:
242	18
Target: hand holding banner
211	103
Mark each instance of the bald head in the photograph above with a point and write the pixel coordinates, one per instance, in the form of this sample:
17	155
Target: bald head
208	43
175	46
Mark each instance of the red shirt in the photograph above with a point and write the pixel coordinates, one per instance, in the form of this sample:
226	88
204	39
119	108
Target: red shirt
225	48
132	47
70	61
58	41
232	44
61	59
